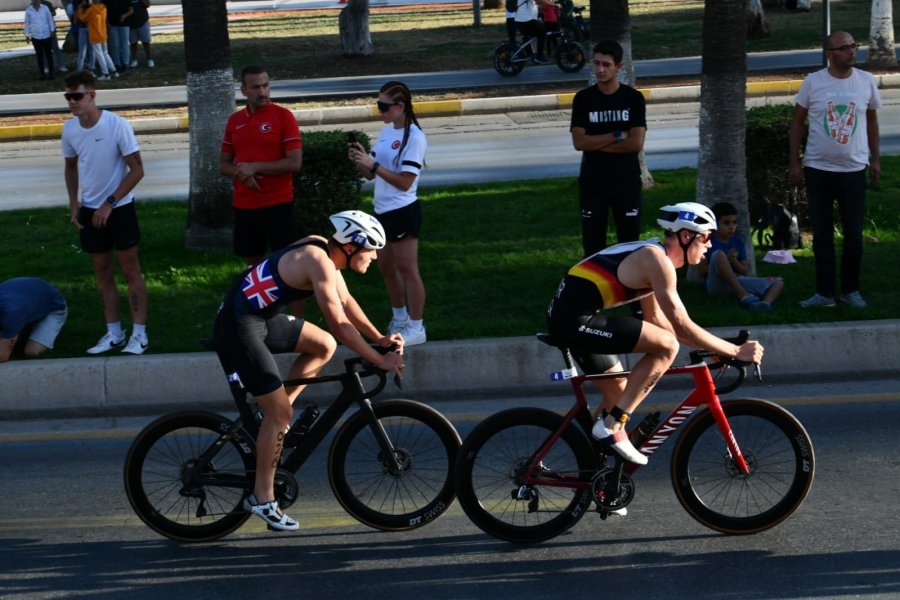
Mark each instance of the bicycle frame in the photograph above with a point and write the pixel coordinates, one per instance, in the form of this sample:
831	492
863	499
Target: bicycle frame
703	394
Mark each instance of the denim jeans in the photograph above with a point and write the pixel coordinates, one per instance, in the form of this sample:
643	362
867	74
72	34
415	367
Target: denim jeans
849	190
119	46
85	52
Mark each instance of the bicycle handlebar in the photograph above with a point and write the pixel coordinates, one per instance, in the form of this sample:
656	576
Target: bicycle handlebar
367	369
724	362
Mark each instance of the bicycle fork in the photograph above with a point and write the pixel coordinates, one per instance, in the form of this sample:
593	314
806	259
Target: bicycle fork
734	451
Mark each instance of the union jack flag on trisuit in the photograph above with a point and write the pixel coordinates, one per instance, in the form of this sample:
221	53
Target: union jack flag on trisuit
259	286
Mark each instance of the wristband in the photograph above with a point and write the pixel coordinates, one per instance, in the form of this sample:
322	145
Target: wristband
618	135
111	200
375	166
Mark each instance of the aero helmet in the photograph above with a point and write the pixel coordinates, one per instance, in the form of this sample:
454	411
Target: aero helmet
357	227
687	215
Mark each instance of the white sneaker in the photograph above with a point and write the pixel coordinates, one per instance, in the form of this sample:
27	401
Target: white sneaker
137	344
413	337
271	514
107	343
619	512
818	301
63	69
619	442
133	63
150	63
853	299
396	326
103	78
115	74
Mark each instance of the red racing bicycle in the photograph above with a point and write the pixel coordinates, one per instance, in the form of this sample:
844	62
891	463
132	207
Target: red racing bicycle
739	466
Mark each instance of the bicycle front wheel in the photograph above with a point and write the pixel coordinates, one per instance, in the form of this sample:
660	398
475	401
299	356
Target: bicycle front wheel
401	495
162	490
570	56
491	466
504	62
713	491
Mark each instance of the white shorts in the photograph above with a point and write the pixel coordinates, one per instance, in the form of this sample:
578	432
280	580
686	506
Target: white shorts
46	330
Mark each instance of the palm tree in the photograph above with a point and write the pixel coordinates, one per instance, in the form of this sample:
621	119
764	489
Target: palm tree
210	96
722	166
881	35
353	23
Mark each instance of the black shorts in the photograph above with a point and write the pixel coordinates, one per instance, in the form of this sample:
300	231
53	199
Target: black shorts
121	232
248	344
259	231
596	340
402	223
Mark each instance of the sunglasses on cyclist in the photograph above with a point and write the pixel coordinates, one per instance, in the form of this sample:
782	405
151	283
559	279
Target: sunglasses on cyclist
386	106
75	96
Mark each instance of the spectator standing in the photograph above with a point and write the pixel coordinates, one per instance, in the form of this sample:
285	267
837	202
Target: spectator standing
117	14
530	26
550	17
261	150
395	163
841	102
103	158
725	265
40	31
608	126
139	24
93	14
29	306
57	51
84	52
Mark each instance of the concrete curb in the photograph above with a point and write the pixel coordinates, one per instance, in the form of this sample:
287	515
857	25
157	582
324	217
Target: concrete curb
444	108
520	366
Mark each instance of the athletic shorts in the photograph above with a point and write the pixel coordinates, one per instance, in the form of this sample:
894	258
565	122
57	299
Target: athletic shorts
140	34
248	345
596	340
259	231
758	286
402	222
121	232
45	331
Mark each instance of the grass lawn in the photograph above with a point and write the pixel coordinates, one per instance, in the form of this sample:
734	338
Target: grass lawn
483	279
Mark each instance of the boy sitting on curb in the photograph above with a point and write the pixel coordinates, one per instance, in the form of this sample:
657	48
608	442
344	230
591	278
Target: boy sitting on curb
725	265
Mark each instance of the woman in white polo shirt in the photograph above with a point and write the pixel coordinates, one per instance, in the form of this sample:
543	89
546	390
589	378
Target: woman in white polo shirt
395	162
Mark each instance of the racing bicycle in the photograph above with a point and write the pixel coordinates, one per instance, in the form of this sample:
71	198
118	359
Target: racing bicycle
739	466
390	464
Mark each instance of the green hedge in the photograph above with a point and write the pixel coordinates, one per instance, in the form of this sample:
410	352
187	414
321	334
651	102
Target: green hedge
328	182
767	147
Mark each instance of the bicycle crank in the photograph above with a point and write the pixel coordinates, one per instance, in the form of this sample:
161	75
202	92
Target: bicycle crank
287	490
612	489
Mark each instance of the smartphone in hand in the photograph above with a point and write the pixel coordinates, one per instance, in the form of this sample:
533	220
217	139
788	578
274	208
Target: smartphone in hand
351	137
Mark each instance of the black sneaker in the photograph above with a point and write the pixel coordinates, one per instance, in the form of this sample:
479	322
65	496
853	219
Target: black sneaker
541	60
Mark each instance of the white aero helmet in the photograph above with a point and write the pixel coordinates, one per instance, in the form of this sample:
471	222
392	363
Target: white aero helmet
357	227
692	216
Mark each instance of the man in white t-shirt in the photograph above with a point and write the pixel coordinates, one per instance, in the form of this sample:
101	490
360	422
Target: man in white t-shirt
530	26
103	159
841	103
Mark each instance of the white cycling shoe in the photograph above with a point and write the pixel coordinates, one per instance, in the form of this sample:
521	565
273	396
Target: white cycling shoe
271	514
619	442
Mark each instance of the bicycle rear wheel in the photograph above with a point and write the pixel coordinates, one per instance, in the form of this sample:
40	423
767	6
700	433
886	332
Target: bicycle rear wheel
570	56
159	486
503	60
782	466
489	471
368	485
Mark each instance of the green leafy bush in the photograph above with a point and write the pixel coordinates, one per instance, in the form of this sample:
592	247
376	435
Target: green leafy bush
767	147
328	182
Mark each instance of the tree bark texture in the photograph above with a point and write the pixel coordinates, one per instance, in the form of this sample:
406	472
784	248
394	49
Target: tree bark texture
881	35
353	22
210	96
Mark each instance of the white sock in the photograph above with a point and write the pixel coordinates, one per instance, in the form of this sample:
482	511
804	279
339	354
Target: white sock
115	329
416	324
400	314
139	330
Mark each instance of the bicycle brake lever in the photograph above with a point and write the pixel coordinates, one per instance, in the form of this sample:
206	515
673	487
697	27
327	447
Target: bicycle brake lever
397	381
757	371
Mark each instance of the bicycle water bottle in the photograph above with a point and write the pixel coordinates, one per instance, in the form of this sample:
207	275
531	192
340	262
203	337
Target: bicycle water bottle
639	434
301	426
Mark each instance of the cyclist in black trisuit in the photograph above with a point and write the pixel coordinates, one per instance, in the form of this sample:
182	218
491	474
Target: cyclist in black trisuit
636	272
250	326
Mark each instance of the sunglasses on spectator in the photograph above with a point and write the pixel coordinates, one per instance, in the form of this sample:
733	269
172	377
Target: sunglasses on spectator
386	106
75	96
846	47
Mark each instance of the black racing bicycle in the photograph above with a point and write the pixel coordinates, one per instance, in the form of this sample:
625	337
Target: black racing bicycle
390	464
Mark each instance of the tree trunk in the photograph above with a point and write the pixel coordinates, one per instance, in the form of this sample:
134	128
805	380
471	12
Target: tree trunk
611	21
722	166
757	26
354	27
881	35
210	96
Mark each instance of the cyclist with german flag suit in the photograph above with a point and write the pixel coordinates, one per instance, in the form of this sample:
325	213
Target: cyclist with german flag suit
641	272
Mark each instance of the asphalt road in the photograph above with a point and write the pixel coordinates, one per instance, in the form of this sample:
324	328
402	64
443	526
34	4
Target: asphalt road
67	530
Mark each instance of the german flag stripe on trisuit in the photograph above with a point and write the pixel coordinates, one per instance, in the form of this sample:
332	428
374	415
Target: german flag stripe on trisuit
609	287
